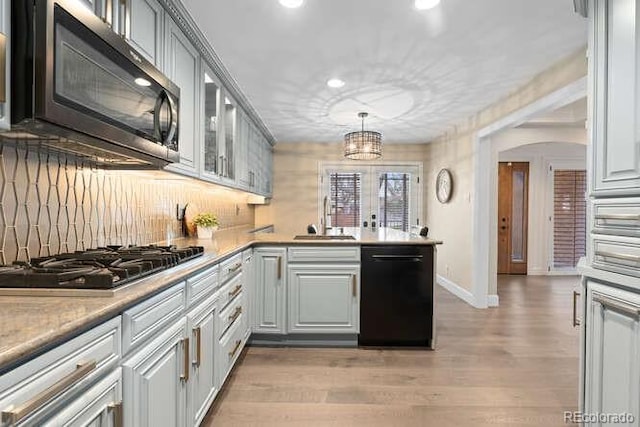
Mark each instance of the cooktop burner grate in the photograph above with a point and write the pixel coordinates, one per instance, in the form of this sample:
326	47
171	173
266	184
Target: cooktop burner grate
100	268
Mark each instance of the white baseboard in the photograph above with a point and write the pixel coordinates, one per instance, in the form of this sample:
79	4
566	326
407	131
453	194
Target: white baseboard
456	289
537	272
493	300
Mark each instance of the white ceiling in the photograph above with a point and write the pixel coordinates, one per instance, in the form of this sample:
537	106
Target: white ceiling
417	73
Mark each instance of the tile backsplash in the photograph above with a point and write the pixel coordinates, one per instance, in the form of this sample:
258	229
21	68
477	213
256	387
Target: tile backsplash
50	205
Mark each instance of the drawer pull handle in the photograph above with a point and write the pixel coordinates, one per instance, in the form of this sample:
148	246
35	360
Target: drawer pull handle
187	368
624	257
279	267
617	305
116	408
235	349
354	285
576	321
235	314
198	332
619	217
235	267
14	415
235	291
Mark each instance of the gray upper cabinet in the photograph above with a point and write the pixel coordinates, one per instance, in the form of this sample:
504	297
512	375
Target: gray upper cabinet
145	29
211	101
243	172
5	37
230	135
183	68
614	61
111	12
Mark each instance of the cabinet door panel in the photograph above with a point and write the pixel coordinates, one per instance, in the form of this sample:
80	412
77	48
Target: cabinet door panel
203	386
183	70
323	298
145	29
612	367
154	392
270	295
615	61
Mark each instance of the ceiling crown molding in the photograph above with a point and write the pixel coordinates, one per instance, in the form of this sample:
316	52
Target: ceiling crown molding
580	6
187	24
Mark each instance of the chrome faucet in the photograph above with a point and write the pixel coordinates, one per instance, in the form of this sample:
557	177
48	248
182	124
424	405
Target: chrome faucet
325	213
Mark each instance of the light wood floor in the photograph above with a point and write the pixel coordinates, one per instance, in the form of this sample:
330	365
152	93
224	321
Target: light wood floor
513	365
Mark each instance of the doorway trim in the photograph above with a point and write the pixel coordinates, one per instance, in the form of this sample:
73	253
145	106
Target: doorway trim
485	202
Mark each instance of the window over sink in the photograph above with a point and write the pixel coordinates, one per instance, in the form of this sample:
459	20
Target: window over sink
387	195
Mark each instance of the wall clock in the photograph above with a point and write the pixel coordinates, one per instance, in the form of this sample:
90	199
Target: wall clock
444	186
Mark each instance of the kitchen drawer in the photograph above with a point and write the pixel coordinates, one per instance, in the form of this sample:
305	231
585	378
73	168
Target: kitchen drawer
144	320
230	291
617	254
202	285
41	386
97	406
616	216
230	267
231	313
230	348
323	253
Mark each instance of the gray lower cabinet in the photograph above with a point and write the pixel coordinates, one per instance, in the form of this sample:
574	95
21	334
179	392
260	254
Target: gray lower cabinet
612	338
156	378
66	383
269	296
100	406
323	298
203	387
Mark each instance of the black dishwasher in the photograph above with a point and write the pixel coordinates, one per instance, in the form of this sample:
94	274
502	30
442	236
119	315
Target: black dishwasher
396	300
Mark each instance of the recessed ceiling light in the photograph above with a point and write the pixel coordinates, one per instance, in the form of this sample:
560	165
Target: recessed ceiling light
292	4
426	4
335	83
142	82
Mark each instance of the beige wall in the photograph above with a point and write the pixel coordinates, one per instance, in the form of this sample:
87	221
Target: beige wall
295	181
453	223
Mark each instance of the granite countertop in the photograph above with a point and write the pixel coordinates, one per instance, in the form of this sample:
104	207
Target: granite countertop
31	325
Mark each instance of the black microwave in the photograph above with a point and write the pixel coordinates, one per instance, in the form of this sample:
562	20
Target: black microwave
79	88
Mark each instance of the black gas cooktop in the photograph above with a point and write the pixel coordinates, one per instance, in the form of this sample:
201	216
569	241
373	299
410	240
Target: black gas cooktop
100	268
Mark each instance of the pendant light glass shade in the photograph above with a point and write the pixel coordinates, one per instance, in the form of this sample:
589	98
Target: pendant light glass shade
363	144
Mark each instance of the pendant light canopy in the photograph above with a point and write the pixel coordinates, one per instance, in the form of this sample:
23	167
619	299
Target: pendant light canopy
363	144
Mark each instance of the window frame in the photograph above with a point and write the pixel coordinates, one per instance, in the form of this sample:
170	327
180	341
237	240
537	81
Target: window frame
370	174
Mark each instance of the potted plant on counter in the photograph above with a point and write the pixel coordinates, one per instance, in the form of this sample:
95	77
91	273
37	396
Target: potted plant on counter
206	224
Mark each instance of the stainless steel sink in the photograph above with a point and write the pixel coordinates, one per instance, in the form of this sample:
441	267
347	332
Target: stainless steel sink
323	237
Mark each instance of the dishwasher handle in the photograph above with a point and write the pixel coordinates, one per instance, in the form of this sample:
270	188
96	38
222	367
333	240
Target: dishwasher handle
410	258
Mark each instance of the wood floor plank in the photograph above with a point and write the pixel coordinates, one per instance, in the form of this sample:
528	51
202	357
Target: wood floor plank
515	365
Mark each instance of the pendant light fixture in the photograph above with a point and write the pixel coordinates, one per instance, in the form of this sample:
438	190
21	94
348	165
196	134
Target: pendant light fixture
363	144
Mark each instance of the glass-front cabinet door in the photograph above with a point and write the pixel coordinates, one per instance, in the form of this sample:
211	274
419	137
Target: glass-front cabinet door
227	155
211	122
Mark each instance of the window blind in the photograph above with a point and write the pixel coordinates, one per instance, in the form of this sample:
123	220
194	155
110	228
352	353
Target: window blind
393	200
345	199
569	217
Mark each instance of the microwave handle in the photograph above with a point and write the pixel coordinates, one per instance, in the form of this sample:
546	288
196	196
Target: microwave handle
173	117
